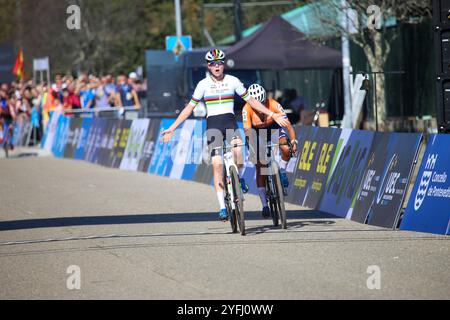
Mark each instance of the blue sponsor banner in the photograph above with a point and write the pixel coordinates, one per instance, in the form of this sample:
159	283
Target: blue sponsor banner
400	152
428	209
346	175
176	159
162	151
82	140
72	137
90	143
61	135
101	127
195	156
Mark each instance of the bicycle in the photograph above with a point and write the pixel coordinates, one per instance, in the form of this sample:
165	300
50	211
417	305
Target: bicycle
234	198
275	191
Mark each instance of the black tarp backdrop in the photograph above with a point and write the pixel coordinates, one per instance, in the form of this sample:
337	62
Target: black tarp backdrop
280	46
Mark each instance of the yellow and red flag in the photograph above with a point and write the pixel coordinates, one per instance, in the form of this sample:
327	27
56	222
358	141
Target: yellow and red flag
19	70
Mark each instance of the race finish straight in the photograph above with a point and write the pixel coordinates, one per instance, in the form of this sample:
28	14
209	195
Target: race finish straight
217	91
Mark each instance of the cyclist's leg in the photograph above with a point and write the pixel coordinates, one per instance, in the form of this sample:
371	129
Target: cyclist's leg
284	148
261	184
285	157
215	140
261	172
233	137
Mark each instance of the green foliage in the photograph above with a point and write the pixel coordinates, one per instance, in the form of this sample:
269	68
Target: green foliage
114	33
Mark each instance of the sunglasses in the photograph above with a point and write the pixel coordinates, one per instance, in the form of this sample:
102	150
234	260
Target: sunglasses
216	63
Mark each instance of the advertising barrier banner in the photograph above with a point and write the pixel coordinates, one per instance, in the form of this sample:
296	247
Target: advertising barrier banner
133	151
204	170
428	208
302	175
390	166
107	142
359	175
83	138
61	137
320	160
149	145
162	152
371	178
73	137
120	143
352	156
90	141
49	136
194	156
21	132
99	128
179	154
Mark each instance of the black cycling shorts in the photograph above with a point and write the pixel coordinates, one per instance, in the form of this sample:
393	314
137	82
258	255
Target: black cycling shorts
220	128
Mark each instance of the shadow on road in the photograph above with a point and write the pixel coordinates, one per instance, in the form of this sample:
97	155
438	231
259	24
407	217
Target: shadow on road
156	218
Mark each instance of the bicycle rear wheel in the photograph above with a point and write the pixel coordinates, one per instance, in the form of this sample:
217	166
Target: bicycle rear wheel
279	196
232	216
238	200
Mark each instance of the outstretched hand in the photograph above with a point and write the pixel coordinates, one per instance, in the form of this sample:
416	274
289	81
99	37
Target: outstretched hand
281	119
166	136
294	149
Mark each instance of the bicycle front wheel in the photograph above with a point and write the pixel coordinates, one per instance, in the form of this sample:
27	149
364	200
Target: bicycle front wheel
272	199
279	196
238	199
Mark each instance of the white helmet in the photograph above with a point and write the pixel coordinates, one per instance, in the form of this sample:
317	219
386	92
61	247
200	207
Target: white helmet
215	55
257	92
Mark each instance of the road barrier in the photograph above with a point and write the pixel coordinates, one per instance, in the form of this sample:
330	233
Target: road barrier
359	175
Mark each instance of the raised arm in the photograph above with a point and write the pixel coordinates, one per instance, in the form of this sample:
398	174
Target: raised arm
278	117
186	113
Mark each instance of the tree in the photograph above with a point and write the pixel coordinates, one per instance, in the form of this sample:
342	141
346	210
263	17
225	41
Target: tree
368	29
114	34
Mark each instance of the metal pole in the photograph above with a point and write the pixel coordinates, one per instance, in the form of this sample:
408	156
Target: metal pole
346	68
178	18
238	20
376	104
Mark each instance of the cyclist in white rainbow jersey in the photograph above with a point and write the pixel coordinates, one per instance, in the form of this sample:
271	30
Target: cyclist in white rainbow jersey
217	91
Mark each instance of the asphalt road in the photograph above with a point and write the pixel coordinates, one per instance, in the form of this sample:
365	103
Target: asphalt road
137	236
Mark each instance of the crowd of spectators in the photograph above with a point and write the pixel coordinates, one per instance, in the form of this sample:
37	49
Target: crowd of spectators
27	100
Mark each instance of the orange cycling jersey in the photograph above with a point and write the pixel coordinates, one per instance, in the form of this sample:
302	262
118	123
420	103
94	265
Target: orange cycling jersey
252	118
